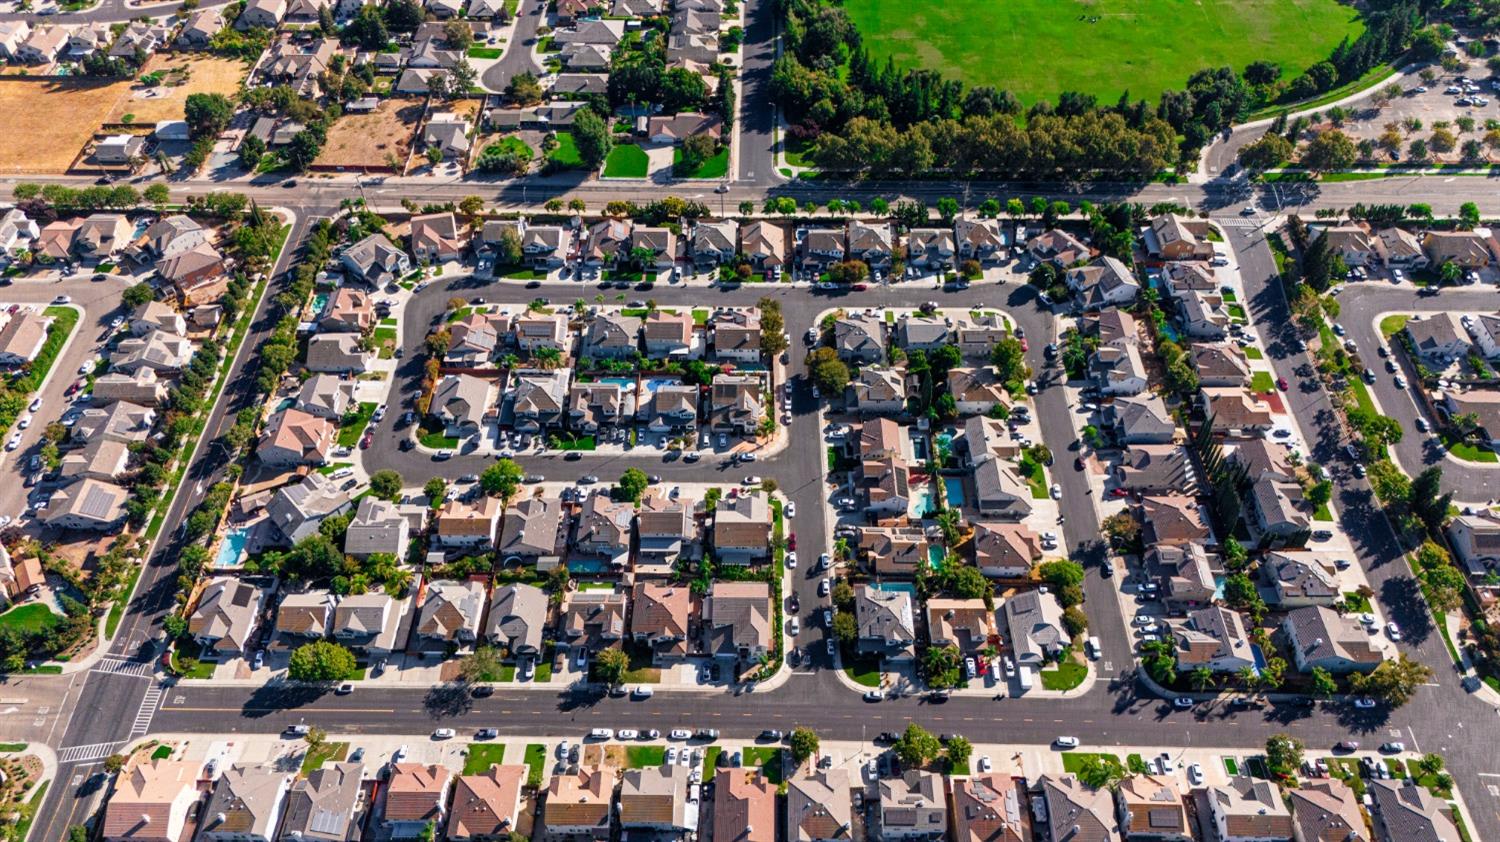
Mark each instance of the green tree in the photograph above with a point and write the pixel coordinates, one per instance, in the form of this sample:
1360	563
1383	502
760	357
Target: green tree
436	490
114	763
829	373
386	485
157	194
772	327
315	738
1330	150
1323	683
845	628
958	751
1101	771
1283	755
321	660
1393	681
1468	216
610	666
917	745
1202	678
458	34
501	479
632	485
207	114
1428	502
135	296
368	29
524	89
1319	493
592	138
483	664
1009	360
804	744
940	667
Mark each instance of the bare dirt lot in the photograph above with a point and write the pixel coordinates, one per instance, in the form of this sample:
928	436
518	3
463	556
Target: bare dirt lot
370	141
49	120
182	75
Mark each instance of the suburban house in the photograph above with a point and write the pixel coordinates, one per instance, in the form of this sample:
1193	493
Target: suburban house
594	620
535	531
714	243
1118	369
736	623
744	808
977	391
912	807
923	333
979	239
1184	575
1327	809
328	805
1034	622
1171	237
437	238
473	340
302	618
416	797
736	403
860	337
660	618
1235	412
742	529
151	801
538	399
376	261
990	807
246	805
517	620
487	806
1000	492
1475	540
226	617
463	404
367	623
1058	247
736	336
380	526
294	437
92	505
467	524
1173	519
1214	638
1299	579
22	337
887	623
102	236
535	331
338	353
764	244
1407	810
657	800
930	248
449	614
1438	339
1467	249
1249	810
894	550
579	805
594	405
877	390
668	335
144	387
1320	637
1156	469
611	336
1151	808
819	248
604	529
1106	282
1076	811
263	14
164	352
349	310
298	509
964	623
1220	364
1005	550
818	806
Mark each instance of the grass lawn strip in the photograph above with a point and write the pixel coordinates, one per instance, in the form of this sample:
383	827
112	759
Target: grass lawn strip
626	160
315	758
536	762
1073	761
33	617
767	759
711	762
715	167
482	756
1392	325
1261	381
639	757
353	425
1253	353
566	154
1068	675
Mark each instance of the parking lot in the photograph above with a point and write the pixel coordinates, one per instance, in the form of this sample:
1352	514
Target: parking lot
1447	99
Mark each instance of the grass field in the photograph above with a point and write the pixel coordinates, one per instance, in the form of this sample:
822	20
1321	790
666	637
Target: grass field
1260	381
639	757
1069	674
49	120
182	74
1038	48
325	753
715	167
353	425
536	762
626	160
368	140
766	758
566	154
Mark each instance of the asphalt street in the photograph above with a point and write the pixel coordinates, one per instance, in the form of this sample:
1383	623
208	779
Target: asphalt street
757	108
517	58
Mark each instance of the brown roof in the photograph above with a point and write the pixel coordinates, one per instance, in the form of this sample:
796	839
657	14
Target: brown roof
744	807
457	517
416	792
142	802
487	804
990	808
580	800
660	610
1327	810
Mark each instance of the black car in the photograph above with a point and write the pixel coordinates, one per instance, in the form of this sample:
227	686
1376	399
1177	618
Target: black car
406	444
886	737
482	690
573	456
770	735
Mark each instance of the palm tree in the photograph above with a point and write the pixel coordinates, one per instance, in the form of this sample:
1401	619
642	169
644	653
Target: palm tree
1202	678
1249	677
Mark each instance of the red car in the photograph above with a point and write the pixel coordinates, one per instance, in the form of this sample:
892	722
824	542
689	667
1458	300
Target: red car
1120	492
791	541
1281	383
860	287
364	443
1025	346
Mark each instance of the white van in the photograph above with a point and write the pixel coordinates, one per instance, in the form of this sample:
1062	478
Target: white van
601	734
1093	648
1025	676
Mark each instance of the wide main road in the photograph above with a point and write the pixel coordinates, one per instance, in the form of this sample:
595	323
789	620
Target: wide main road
112	706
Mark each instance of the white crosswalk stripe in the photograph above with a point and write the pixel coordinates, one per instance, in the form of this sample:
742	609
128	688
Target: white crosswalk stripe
83	754
119	666
147	711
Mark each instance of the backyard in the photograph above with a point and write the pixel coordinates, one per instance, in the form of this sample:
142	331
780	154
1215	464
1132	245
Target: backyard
1039	48
179	75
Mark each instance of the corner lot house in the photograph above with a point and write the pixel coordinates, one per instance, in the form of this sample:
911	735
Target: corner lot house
151	802
227	615
1322	638
1034	622
737	622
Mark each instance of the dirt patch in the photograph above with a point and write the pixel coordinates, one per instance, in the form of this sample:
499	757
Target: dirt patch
373	141
182	75
48	121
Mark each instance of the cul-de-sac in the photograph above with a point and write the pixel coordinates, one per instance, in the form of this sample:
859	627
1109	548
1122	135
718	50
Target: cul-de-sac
749	421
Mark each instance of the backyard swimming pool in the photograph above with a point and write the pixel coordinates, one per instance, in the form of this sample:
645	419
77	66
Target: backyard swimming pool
232	548
953	488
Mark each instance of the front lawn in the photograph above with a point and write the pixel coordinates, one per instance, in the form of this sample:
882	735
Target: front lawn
1261	381
1468	451
767	759
1073	761
864	671
566	156
386	337
1392	325
536	762
1322	512
711	762
29	618
486	52
1253	353
353	424
640	757
316	757
1356	602
715	167
1035	476
626	160
482	756
1068	675
433	436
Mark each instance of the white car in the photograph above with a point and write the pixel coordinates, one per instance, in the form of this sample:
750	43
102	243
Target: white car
791	559
443	734
984	763
1066	742
36	404
24	422
750	480
670	757
1364	703
14	442
628	734
680	734
793	627
1195	774
601	734
1056	491
1393	631
791	510
874	695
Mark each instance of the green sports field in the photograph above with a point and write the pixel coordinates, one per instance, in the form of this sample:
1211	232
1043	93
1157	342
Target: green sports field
1038	48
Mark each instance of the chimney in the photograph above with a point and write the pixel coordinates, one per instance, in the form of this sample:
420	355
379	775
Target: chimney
145	818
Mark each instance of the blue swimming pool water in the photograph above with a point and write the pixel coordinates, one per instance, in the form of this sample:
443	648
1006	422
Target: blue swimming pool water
587	565
921	502
954	488
626	383
320	301
232	549
896	587
935	558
